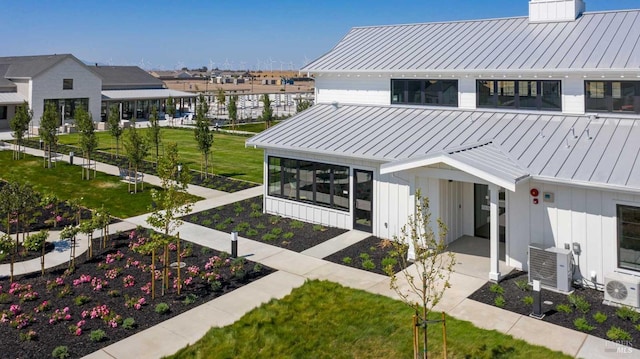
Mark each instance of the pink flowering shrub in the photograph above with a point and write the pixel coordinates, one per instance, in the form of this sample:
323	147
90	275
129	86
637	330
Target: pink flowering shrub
136	303
21	321
98	284
146	288
114	257
84	278
42	307
128	281
76	329
112	273
60	315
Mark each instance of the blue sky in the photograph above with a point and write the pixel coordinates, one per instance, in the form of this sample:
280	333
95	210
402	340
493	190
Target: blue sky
240	34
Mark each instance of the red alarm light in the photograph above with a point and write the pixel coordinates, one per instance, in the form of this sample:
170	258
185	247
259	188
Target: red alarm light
534	192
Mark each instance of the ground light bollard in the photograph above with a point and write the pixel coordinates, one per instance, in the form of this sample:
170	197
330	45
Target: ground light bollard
537	301
71	158
234	244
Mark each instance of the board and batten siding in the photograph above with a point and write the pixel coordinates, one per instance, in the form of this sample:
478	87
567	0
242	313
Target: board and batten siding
48	85
577	215
391	198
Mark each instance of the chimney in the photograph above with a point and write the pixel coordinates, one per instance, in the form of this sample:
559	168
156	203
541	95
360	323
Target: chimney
555	10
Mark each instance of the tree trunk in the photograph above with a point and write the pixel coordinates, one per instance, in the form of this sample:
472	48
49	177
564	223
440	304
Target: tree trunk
153	273
179	262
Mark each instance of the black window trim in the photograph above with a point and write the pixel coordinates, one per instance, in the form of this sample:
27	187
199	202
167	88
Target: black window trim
619	206
608	96
405	91
516	95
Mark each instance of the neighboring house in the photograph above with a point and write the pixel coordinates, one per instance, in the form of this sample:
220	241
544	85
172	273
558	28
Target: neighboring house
521	130
70	84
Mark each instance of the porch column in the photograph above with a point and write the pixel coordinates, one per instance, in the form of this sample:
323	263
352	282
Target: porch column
494	224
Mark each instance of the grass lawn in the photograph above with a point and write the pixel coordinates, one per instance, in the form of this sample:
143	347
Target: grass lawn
229	156
325	320
65	181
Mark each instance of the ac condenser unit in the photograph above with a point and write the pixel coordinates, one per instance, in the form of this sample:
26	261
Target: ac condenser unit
551	266
622	289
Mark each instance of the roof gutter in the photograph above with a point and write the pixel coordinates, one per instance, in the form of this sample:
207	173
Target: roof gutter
587	185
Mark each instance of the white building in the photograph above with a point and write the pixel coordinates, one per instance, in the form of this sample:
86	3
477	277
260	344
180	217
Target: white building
520	130
69	83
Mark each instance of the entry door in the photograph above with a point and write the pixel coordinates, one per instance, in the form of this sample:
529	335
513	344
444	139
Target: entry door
482	212
363	200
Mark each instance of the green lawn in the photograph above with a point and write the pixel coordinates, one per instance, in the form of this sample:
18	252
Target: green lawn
229	158
65	181
326	320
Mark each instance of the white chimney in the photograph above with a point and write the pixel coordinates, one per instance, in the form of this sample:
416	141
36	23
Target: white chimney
555	10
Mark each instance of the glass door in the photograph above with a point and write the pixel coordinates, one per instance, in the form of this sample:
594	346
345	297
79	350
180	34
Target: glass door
482	212
363	200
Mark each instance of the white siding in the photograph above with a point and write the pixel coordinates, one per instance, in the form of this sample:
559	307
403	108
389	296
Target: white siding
467	90
355	89
48	85
577	215
573	95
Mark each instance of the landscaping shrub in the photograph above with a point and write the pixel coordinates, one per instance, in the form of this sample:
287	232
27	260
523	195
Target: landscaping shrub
579	302
528	300
523	284
499	301
615	333
497	288
190	299
81	299
346	260
599	317
97	335
564	308
628	313
129	323
582	325
60	352
162	308
368	264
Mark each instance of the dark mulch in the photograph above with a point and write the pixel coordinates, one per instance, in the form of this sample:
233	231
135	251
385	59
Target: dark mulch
513	296
50	335
371	250
25	255
246	218
216	182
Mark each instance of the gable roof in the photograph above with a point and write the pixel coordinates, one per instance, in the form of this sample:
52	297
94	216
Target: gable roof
582	149
125	77
595	41
30	66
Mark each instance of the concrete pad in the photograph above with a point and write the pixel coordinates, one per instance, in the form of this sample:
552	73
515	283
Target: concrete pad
194	324
152	343
100	354
552	336
278	284
485	316
292	262
347	276
336	244
596	348
256	251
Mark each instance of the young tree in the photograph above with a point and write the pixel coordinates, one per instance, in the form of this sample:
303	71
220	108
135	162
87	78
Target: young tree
115	129
20	125
171	108
302	105
38	241
267	111
88	139
137	149
69	233
154	132
9	197
87	227
48	130
220	98
428	278
102	218
233	111
203	134
172	203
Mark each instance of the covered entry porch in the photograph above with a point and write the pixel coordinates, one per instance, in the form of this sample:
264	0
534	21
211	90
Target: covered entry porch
469	189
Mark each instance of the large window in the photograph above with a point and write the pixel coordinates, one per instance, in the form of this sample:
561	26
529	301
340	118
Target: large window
519	94
3	112
318	183
67	107
612	96
629	237
425	92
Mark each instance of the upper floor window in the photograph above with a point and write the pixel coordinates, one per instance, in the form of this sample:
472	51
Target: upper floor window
612	96
519	94
629	237
425	92
67	84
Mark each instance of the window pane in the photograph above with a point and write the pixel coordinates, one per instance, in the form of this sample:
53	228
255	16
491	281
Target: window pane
528	94
323	184
623	94
595	96
629	237
485	94
275	179
397	91
450	93
551	97
67	84
431	92
414	94
290	181
3	112
305	181
341	187
506	93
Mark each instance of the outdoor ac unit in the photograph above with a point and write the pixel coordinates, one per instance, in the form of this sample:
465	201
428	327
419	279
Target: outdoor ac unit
550	266
622	289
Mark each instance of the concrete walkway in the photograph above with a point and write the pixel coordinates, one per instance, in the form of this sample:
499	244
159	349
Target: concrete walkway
293	269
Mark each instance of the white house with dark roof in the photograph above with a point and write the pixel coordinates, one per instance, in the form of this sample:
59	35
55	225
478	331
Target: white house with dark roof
524	131
69	83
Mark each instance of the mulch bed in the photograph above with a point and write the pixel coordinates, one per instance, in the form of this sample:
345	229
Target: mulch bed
361	255
216	182
514	296
246	218
104	282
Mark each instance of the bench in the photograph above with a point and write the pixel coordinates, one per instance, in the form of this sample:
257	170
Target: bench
130	176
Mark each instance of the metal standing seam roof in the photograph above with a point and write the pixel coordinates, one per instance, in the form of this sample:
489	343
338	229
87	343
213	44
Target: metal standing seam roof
600	151
146	94
11	98
595	41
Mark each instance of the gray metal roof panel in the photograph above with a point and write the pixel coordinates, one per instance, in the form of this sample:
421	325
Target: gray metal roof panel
9	98
122	77
387	134
593	41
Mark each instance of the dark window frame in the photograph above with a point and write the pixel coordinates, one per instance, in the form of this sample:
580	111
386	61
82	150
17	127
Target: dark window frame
606	102
492	100
401	93
291	190
626	235
67	84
